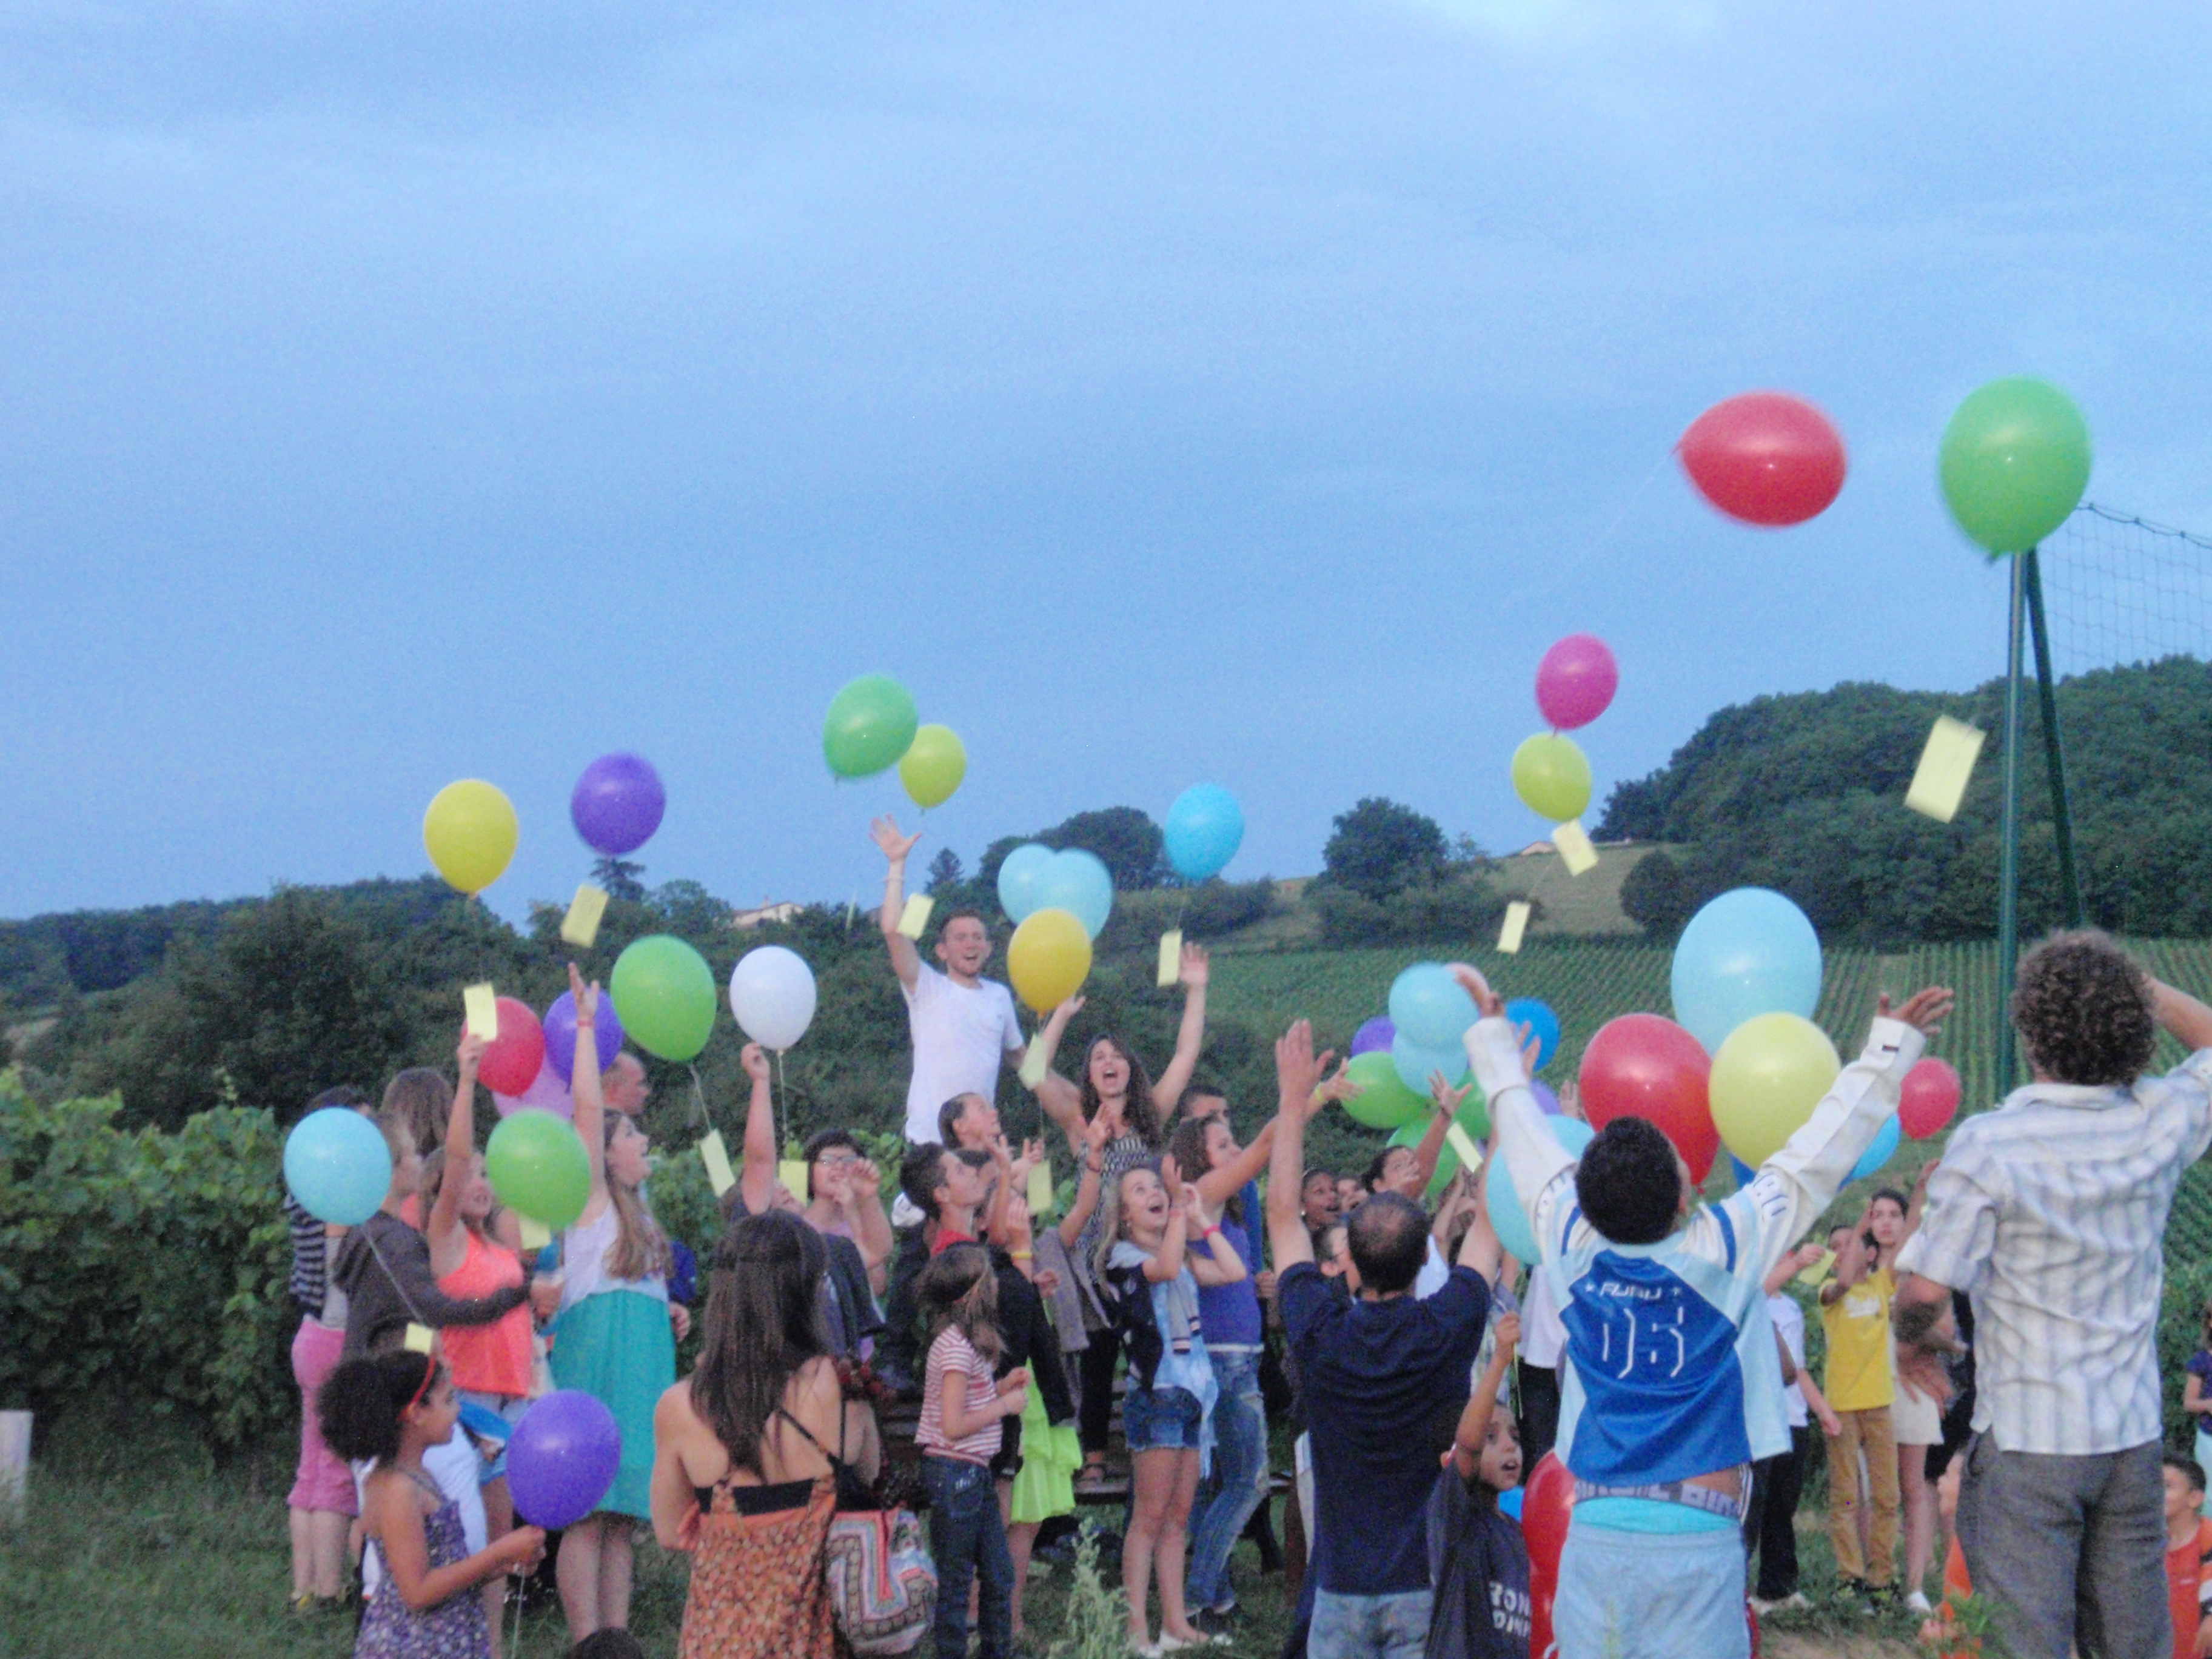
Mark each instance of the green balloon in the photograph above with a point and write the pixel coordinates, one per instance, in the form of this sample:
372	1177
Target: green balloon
1383	1101
2016	460
536	1165
1472	1117
1552	776
664	994
870	727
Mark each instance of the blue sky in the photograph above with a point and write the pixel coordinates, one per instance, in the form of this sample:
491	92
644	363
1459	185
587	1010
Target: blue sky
392	393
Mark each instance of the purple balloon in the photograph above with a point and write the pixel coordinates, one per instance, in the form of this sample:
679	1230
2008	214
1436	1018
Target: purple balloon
1378	1033
618	804
561	1035
1545	1097
548	1093
561	1458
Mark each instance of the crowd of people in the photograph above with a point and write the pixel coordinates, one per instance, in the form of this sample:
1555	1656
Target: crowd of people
1989	1392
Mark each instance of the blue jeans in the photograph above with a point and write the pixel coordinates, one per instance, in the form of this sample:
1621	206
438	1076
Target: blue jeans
1239	1483
1370	1626
967	1536
1651	1595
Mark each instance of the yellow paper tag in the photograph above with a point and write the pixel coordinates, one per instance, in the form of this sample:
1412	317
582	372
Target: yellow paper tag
1575	849
535	1235
480	1006
1034	1065
1939	782
420	1338
1171	955
1470	1155
1040	1191
717	1158
1818	1274
916	916
580	926
1517	923
792	1172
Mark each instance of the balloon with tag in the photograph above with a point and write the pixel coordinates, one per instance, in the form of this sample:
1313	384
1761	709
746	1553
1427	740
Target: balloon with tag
538	1166
934	766
512	1060
1383	1101
337	1164
469	832
1641	1066
1204	829
1507	1215
1079	883
665	993
561	1035
618	804
1750	951
772	995
871	725
1552	776
1767	1078
1473	1120
2015	461
1048	959
1019	872
1576	681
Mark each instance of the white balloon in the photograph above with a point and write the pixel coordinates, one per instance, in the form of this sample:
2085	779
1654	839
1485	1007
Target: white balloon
772	995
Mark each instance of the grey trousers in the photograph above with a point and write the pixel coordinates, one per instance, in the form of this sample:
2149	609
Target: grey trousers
2069	1550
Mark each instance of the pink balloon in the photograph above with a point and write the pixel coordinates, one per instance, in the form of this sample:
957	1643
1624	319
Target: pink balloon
548	1093
1576	681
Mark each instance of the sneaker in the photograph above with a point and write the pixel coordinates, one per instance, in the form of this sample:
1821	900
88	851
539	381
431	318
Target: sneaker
1917	1603
1214	1621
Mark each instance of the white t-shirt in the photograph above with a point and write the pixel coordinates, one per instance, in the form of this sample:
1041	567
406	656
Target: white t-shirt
459	1474
1790	1321
1435	1274
959	1036
1543	1335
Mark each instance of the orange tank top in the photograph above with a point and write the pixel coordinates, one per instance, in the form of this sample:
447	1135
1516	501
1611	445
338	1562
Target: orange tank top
492	1358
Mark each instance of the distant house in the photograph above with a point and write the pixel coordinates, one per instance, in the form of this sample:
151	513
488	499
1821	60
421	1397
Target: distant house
765	914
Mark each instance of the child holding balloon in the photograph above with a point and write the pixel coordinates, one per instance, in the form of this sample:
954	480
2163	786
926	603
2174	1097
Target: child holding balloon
614	1338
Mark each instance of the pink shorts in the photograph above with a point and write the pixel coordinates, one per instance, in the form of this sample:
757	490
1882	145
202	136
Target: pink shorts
323	1481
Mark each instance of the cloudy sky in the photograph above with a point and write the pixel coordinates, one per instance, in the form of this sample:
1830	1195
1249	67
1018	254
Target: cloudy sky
396	393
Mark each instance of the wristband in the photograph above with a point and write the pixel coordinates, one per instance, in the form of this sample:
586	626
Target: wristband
586	1025
1209	1231
1022	1255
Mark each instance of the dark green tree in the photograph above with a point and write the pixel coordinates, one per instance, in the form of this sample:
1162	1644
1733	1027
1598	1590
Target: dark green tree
1381	846
620	879
945	871
1658	897
1126	842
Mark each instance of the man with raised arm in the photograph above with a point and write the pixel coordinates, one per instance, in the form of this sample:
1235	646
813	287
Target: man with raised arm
962	1025
1671	1387
1384	1379
2048	1212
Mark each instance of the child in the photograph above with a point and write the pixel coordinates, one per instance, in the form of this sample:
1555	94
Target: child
1861	1389
1769	1529
391	1409
1477	1559
963	1409
2188	1556
1151	1282
2197	1389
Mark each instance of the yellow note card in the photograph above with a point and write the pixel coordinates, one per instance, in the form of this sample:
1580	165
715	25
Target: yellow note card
1171	955
1575	849
480	1006
1034	1065
580	926
1040	1193
535	1235
1939	782
792	1172
1517	923
916	916
1470	1155
1820	1271
717	1158
420	1338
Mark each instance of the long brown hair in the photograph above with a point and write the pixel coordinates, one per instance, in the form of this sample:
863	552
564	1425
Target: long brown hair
959	1291
433	1177
421	1098
1187	1146
640	1251
1139	1110
763	1323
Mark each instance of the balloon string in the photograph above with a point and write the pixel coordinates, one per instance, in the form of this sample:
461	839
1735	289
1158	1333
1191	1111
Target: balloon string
781	1108
699	1098
369	1238
1558	573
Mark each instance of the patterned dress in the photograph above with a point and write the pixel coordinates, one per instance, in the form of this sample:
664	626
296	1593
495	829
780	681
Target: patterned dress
758	1588
454	1629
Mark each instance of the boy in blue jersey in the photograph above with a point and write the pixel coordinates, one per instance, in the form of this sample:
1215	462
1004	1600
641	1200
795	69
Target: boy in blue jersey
1672	1388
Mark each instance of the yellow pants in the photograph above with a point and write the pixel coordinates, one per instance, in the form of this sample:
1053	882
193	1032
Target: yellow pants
1869	1431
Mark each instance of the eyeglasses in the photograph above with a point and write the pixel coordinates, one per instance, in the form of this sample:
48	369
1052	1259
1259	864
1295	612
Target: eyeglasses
839	1160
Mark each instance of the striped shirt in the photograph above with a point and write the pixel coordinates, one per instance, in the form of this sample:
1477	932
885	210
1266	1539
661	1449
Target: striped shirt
952	1352
2048	1213
310	1281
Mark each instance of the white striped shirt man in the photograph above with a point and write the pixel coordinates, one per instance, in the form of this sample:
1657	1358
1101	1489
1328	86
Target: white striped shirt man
2048	1213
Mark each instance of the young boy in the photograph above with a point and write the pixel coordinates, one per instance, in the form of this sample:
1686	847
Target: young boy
1477	1558
2188	1556
1855	1315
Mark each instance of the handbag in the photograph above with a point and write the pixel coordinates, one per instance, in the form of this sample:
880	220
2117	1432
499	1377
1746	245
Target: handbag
882	1583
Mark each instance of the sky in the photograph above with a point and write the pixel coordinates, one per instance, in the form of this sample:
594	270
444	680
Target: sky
396	392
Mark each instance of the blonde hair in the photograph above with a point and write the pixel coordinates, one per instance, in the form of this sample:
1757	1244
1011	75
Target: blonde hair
433	1178
1109	1216
420	1095
640	1249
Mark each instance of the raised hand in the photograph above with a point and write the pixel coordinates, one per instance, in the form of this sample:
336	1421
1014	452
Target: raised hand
1297	1069
1194	969
470	1055
885	833
754	1061
1487	1002
1506	1327
867	1180
1446	1098
1067	1010
586	996
1098	1132
1925	1010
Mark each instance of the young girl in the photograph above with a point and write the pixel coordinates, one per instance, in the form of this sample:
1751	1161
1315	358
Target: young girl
964	1410
1477	1559
391	1409
1152	1280
1916	1418
614	1338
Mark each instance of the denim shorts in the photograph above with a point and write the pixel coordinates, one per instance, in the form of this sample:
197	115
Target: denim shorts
1161	1420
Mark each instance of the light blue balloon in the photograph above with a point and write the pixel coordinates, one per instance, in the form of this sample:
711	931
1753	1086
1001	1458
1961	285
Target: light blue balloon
1510	1221
337	1166
1204	828
1750	951
1509	1502
1543	1025
1879	1153
1077	882
1415	1063
1429	1007
1018	880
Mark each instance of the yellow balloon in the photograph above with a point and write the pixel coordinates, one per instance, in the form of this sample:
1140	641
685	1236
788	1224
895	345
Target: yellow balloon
1048	959
932	766
1766	1079
470	830
1552	776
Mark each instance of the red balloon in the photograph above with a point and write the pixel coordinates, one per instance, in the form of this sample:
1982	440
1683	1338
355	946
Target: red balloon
1576	681
1641	1066
1929	1098
512	1060
1546	1508
1765	458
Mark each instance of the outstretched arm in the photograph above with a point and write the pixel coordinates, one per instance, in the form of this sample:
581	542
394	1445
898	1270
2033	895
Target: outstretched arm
1430	1148
1466	1455
756	1178
589	1106
442	1227
1536	1162
1217	1187
2184	1018
1190	1037
1090	1153
1213	1259
1059	1099
906	961
1298	1077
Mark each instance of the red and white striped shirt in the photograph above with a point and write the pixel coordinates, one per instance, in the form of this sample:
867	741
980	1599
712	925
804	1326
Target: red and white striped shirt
952	1352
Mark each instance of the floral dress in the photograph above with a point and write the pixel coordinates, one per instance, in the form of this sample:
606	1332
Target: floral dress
455	1628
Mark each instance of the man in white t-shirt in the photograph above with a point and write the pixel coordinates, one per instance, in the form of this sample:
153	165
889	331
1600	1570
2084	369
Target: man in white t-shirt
962	1025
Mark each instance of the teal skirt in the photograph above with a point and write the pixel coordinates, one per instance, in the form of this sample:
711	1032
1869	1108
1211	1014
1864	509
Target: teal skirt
617	1348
